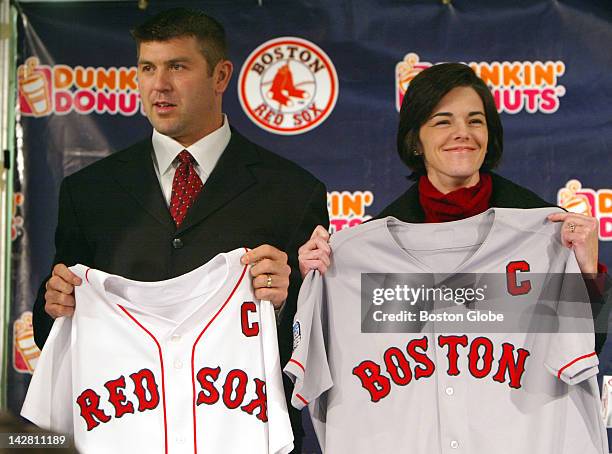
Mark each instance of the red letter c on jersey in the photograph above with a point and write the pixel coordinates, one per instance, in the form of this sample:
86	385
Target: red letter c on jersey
248	329
513	286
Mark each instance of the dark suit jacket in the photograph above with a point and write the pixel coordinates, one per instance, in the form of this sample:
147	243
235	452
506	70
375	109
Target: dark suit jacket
113	217
507	194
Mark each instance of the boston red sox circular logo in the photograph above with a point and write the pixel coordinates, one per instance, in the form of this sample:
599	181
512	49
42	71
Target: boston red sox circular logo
288	86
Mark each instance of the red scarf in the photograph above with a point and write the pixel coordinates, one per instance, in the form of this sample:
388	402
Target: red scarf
459	204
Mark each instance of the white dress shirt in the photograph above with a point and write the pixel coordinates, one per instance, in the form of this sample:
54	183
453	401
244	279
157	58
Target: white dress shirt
205	151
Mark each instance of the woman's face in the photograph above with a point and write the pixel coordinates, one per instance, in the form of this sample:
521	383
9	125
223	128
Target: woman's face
454	140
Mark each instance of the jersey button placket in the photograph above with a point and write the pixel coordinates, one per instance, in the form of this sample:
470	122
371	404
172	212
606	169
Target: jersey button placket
451	394
177	380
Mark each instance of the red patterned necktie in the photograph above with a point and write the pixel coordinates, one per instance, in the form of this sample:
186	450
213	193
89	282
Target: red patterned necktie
185	187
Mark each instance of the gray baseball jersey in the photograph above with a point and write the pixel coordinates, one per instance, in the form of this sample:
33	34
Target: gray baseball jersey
432	392
187	365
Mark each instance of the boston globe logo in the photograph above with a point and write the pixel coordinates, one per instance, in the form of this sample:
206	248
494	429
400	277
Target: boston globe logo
288	86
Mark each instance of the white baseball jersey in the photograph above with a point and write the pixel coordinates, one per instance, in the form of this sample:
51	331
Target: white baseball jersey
431	391
187	365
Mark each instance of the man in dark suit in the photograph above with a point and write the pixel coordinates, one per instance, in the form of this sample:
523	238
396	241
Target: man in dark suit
170	203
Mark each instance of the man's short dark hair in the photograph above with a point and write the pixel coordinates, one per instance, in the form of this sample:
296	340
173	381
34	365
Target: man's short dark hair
183	22
423	95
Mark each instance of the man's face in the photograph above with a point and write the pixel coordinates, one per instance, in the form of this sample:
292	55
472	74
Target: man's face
181	98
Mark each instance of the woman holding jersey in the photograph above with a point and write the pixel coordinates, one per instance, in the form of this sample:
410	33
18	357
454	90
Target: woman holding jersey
450	135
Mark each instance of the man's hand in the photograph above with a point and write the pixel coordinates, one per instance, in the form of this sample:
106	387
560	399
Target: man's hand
59	297
579	232
314	254
270	273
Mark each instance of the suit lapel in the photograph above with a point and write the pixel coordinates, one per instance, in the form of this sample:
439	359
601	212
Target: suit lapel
135	173
230	178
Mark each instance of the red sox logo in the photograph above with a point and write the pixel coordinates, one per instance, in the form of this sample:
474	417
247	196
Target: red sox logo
288	86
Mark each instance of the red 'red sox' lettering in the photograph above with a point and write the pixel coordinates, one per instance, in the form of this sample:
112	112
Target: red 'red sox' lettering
481	361
231	391
89	400
139	379
117	397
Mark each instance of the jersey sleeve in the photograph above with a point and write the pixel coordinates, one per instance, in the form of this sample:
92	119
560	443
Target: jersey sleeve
48	401
308	367
280	435
571	351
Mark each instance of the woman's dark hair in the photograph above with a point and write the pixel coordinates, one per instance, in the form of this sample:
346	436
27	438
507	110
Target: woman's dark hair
423	95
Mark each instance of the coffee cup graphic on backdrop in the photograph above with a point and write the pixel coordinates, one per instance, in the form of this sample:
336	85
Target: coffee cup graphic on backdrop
34	88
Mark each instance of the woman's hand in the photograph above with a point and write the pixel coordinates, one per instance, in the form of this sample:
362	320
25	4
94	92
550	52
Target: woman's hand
579	232
315	253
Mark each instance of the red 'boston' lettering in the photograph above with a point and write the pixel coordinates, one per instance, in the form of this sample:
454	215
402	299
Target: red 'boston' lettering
207	377
508	364
89	402
240	389
248	329
117	397
396	362
474	356
514	288
480	355
452	354
144	382
376	384
428	367
259	402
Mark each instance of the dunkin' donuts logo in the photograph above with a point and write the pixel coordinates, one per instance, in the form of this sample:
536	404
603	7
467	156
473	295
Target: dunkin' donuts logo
288	86
348	209
25	351
61	89
17	223
576	199
530	86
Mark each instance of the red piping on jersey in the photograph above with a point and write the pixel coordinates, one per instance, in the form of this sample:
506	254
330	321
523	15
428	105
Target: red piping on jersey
195	437
161	361
573	362
298	363
299	396
87	272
